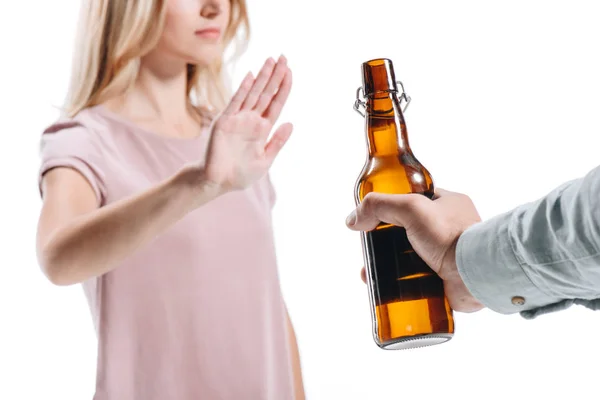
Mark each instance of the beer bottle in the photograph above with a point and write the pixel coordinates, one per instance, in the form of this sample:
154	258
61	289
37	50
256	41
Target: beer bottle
408	305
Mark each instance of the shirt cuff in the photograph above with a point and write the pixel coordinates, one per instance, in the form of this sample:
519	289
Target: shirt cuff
489	268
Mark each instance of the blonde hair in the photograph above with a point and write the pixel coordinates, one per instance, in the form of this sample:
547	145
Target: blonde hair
112	37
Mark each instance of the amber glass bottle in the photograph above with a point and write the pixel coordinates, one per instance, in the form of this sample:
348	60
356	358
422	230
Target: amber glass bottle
408	305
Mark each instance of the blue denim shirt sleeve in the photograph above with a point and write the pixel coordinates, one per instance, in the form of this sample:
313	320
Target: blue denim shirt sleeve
541	257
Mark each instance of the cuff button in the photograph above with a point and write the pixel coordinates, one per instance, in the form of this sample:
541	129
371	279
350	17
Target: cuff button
518	300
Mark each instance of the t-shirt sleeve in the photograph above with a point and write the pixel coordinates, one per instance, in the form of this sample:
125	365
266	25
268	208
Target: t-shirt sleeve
72	145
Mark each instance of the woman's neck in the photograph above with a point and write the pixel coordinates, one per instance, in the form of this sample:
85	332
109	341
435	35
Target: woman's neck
158	99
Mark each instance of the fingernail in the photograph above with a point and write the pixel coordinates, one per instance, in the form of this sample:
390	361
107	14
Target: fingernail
283	58
351	219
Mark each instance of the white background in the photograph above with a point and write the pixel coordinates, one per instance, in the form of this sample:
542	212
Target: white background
505	108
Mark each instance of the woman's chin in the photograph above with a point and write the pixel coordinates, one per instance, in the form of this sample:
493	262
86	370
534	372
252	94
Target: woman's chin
205	57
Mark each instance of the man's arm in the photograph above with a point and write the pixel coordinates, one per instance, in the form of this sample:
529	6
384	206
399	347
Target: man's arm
541	257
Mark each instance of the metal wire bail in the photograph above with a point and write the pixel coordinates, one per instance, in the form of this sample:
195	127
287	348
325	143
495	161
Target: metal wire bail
359	102
360	105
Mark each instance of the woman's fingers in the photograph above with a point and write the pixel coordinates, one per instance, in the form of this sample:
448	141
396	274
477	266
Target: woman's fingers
240	95
274	108
259	85
266	94
272	86
278	140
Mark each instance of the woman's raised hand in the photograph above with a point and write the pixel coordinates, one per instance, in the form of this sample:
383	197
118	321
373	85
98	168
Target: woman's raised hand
240	151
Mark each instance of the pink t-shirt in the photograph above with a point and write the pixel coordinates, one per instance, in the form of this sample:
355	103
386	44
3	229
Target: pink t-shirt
198	312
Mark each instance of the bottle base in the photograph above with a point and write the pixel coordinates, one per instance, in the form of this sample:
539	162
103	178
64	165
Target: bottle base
414	342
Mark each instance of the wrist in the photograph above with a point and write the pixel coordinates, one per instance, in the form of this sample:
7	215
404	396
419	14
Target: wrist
192	183
459	295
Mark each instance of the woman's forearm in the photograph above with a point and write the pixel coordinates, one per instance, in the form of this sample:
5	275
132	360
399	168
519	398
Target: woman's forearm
96	242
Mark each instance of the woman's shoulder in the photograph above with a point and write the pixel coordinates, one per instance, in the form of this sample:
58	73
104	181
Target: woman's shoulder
82	122
77	131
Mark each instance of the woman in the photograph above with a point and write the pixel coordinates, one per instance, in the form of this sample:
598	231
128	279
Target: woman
156	198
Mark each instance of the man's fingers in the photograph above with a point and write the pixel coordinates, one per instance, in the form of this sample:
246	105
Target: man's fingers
396	209
439	192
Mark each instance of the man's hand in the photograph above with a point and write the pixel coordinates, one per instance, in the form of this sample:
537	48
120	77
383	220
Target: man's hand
433	229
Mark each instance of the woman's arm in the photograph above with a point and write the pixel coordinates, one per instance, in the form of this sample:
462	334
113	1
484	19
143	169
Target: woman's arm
295	358
76	240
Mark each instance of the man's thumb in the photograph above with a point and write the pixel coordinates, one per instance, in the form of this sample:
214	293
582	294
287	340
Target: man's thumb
396	209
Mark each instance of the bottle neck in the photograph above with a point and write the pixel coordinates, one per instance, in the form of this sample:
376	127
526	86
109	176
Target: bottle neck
386	130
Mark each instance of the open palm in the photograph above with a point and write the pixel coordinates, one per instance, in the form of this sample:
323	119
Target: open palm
240	151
